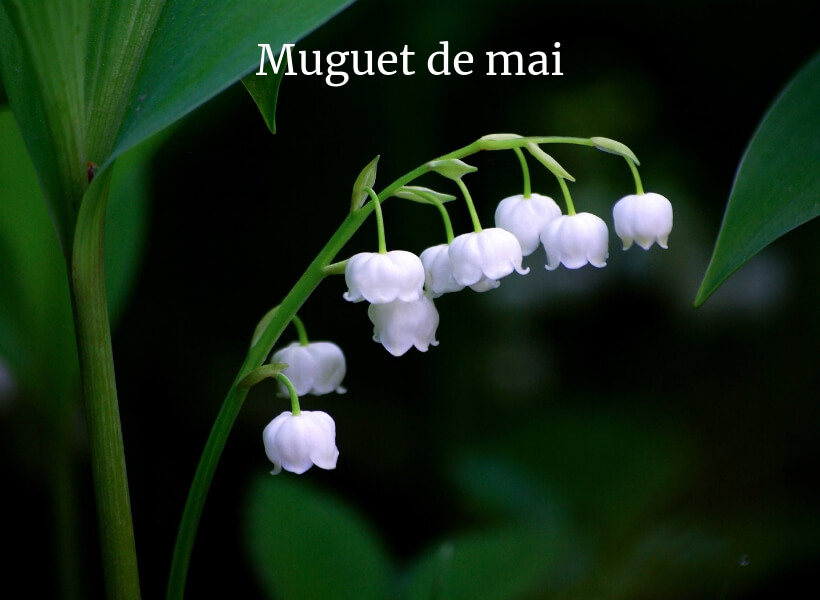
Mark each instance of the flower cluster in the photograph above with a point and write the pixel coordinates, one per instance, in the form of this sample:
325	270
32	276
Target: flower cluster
577	239
401	287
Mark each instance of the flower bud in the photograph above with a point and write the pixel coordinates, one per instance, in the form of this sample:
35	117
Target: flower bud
643	218
489	254
316	368
297	442
576	240
398	326
381	278
526	218
438	271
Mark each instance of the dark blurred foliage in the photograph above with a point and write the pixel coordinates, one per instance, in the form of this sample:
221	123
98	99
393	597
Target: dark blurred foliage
671	438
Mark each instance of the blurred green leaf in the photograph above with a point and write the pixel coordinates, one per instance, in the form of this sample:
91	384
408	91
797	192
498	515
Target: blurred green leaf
614	471
777	186
498	487
506	564
264	89
305	544
36	330
669	561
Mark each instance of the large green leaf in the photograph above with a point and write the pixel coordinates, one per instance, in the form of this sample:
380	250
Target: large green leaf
305	544
89	79
200	47
777	187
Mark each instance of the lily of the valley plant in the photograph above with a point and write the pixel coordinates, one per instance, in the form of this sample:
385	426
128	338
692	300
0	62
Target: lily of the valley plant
401	286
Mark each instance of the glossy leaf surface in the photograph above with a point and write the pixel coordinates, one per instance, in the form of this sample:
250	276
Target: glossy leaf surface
777	186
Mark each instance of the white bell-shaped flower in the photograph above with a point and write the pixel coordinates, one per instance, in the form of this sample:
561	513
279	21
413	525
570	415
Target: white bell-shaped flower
398	326
481	258
315	368
643	218
297	442
526	218
438	271
382	278
575	240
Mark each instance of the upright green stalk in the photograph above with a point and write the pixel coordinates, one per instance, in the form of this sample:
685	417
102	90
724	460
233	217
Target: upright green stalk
93	332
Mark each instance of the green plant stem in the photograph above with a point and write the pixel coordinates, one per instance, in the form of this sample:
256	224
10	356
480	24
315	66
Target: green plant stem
635	175
567	197
280	318
236	396
470	206
374	198
300	331
93	333
295	409
445	217
525	171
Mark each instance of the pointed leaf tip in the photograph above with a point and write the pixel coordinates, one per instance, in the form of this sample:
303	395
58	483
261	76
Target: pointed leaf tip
264	89
777	183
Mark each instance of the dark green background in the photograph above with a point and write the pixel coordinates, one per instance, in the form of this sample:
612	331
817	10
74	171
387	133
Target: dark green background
677	443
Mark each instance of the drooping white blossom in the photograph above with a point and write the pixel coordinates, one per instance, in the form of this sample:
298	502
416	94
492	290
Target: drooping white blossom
526	218
575	240
398	326
297	442
315	368
438	271
381	278
481	258
644	219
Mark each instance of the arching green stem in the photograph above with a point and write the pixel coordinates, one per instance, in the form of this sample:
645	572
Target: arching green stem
267	338
300	330
235	398
567	198
525	171
633	166
470	206
445	217
379	219
294	397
